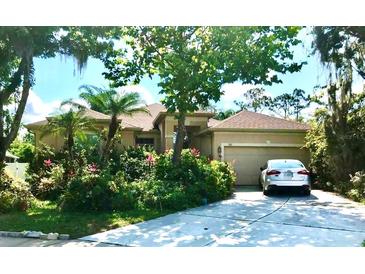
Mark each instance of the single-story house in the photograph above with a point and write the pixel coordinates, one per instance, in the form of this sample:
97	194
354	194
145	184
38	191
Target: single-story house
246	139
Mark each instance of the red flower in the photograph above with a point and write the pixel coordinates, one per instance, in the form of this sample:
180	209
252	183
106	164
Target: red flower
195	152
92	168
150	160
47	163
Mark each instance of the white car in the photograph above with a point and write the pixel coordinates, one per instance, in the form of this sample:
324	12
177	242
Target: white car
284	173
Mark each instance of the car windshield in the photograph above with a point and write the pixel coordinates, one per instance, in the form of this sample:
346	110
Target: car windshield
286	164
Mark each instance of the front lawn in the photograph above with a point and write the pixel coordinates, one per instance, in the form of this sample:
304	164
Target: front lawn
45	217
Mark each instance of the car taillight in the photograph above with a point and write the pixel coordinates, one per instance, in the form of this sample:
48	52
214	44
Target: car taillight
273	172
303	172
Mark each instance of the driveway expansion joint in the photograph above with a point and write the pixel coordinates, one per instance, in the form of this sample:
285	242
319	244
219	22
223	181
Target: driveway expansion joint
313	226
254	221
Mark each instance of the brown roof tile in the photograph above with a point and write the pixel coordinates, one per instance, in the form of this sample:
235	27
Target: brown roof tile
252	120
212	122
144	120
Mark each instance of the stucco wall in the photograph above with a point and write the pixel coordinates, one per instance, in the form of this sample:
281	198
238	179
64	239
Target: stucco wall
169	124
255	137
155	135
55	141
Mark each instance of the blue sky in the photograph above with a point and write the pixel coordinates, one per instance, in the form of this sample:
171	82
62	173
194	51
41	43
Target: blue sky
57	79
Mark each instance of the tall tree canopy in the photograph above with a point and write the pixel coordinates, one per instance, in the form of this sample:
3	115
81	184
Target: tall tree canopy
20	45
290	105
194	62
342	51
254	100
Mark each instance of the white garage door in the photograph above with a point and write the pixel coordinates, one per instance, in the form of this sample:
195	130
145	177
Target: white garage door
248	160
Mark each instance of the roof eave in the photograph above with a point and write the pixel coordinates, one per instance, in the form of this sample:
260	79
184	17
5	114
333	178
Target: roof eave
212	129
162	114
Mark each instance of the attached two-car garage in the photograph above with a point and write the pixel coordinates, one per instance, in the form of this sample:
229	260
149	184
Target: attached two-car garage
247	160
248	139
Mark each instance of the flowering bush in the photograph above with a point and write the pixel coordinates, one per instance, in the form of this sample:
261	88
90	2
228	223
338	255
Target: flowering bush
137	162
14	194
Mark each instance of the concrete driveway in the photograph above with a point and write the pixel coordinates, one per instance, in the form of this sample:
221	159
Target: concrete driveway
251	219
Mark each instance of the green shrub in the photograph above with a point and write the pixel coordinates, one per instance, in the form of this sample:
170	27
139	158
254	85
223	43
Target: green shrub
93	191
357	191
14	194
24	150
135	164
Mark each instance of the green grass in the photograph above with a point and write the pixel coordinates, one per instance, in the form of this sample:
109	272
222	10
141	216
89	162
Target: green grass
44	216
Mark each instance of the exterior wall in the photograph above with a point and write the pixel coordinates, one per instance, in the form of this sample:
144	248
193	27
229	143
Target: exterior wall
256	138
169	125
155	135
55	141
128	138
206	145
161	126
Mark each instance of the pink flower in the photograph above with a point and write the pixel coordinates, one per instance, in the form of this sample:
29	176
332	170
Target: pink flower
150	160
47	163
195	152
92	168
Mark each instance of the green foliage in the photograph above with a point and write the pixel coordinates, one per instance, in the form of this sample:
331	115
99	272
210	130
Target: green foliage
357	182
18	48
15	194
134	162
52	184
290	105
96	191
115	104
153	182
24	150
69	125
194	62
224	114
254	100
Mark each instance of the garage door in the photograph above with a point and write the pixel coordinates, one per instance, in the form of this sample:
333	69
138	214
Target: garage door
248	160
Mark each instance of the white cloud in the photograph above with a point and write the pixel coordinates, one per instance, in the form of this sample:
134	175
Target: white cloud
145	93
232	92
36	109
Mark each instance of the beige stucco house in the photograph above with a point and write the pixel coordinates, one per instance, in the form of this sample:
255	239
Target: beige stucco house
247	139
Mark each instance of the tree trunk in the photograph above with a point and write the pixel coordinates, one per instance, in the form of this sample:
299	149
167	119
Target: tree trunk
2	158
179	142
70	144
5	141
113	127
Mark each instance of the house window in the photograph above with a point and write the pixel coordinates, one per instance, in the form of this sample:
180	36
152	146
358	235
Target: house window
144	142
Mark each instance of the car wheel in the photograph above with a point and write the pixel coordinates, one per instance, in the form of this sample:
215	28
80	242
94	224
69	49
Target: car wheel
266	192
307	192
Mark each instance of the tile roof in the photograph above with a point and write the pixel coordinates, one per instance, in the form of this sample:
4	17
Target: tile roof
212	122
252	120
144	120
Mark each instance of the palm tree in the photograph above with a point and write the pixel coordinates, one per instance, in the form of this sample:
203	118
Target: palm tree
69	124
110	102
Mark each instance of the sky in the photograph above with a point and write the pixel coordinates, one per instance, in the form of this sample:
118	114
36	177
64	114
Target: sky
57	79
